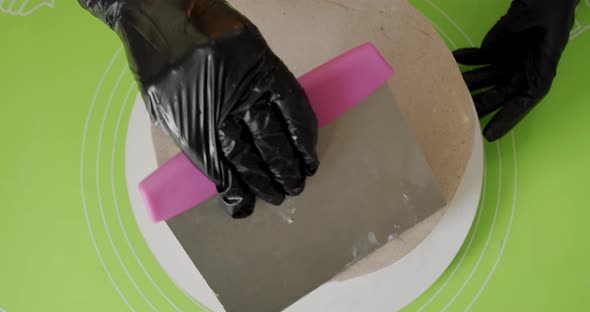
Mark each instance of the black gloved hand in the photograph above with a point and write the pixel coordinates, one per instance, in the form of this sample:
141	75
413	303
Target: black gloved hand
521	52
212	84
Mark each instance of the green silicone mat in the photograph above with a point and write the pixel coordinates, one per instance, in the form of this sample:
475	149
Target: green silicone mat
69	241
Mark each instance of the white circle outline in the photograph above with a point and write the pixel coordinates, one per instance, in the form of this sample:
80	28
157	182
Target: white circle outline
507	234
84	200
82	192
99	193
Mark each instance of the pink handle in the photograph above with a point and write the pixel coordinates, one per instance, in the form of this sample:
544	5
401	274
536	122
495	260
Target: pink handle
333	89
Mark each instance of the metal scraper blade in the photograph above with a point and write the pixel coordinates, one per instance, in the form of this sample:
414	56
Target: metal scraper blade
373	182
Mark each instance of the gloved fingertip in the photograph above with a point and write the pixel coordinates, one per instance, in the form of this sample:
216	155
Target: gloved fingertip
296	190
462	51
458	53
275	200
239	213
491	134
239	207
238	201
271	193
311	167
470	56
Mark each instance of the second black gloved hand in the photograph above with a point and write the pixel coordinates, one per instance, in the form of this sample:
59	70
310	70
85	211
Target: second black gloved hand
521	54
213	85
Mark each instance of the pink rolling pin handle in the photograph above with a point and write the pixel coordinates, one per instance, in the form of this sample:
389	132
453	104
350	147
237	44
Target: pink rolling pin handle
332	88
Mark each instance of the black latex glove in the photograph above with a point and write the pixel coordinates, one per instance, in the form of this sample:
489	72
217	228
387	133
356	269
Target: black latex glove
211	83
520	53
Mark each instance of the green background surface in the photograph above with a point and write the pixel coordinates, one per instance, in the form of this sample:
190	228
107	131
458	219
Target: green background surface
69	241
